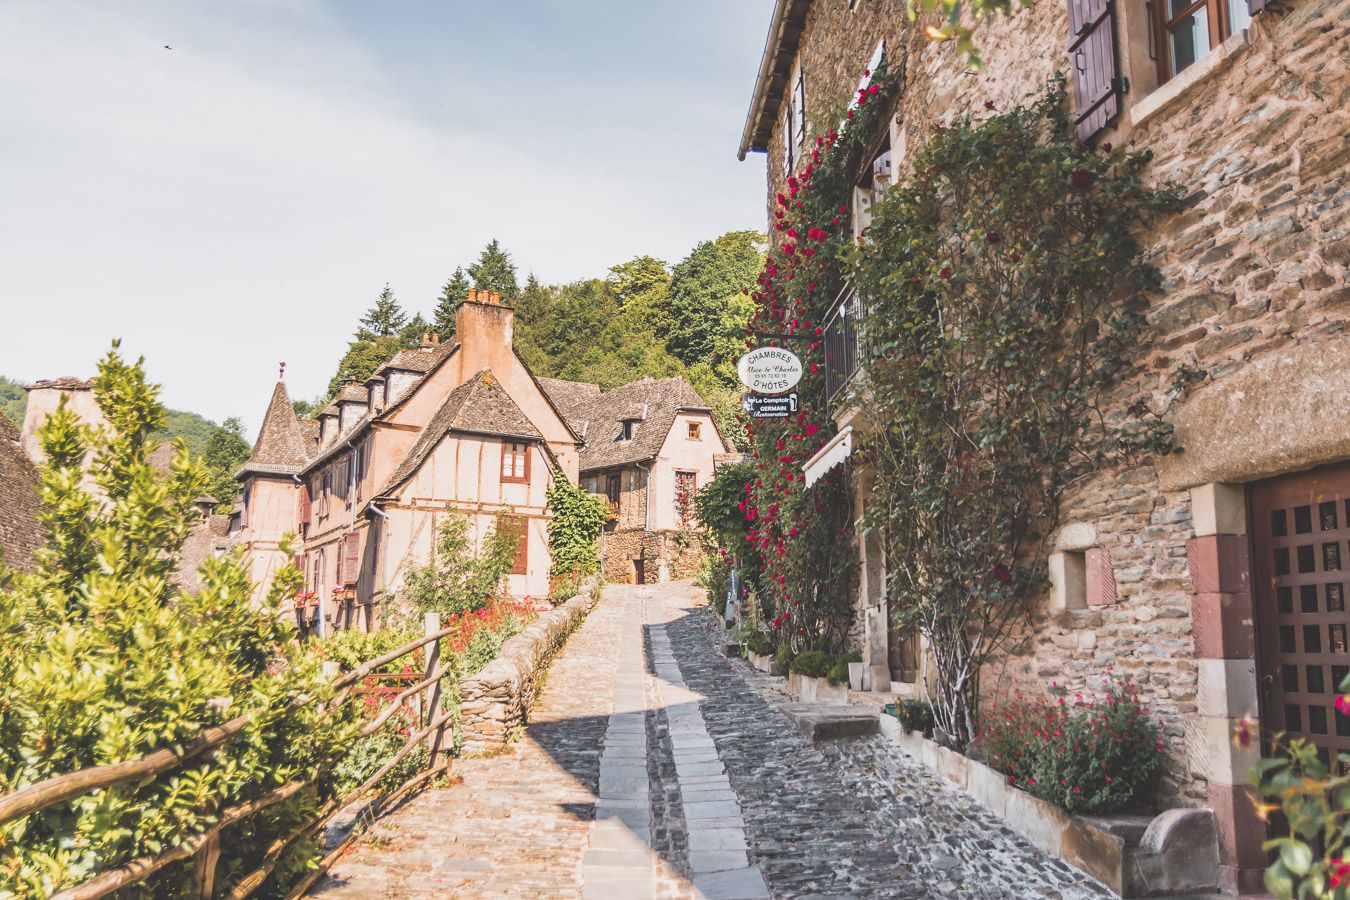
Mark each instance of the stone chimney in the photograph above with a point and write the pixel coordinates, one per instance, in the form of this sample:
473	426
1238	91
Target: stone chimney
483	326
43	399
375	394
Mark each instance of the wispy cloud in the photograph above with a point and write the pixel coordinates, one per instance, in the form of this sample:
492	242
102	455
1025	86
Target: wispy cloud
239	199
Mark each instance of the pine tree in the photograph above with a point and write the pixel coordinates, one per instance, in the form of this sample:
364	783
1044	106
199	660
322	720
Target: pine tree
494	271
386	317
226	451
454	292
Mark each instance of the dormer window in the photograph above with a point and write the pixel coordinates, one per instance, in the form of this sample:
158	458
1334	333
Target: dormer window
629	431
695	431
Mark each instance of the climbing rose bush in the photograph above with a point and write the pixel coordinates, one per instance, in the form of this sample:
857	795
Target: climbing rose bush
1094	755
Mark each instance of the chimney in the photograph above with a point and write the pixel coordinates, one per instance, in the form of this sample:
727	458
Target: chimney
484	328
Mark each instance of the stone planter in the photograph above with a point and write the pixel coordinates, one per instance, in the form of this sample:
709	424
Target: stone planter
759	662
856	671
794	685
1175	852
829	692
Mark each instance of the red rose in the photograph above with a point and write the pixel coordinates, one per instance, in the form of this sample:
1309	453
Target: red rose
945	272
1082	179
1002	574
989	104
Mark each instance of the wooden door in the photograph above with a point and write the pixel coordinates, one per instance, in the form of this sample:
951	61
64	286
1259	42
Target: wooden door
1300	525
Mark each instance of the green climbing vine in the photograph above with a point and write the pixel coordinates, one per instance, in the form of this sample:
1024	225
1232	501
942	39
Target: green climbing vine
573	534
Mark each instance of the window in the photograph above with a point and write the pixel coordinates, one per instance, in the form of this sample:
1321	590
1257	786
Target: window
515	461
629	431
613	489
1187	30
798	108
325	486
516	527
695	431
686	486
342	473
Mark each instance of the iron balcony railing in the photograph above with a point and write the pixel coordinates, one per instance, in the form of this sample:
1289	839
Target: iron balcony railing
843	345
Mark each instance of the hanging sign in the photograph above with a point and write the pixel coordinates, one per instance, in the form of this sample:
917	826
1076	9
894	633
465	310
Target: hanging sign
769	370
770	407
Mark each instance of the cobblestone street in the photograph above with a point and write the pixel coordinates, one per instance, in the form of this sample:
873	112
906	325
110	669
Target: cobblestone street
655	767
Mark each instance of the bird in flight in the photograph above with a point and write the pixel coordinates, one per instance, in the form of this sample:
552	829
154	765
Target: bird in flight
167	47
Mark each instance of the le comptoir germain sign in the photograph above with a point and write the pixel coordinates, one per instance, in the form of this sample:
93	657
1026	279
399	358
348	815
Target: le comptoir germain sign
771	371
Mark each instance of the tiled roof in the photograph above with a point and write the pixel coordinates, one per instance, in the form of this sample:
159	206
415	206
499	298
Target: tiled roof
309	428
479	405
161	458
20	501
282	443
599	416
413	360
353	392
65	383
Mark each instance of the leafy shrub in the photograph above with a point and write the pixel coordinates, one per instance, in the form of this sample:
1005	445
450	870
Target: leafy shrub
812	663
107	659
573	535
839	668
759	643
459	577
914	715
353	647
1311	860
368	754
1095	756
782	660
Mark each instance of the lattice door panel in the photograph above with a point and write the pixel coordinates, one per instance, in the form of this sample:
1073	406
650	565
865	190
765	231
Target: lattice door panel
1301	567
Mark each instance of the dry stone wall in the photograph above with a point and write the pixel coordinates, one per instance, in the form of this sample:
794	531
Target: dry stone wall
497	700
1254	265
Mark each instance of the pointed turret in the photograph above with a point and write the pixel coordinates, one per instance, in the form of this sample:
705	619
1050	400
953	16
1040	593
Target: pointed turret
282	447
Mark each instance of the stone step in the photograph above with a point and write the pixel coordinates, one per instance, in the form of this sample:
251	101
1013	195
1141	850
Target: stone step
823	721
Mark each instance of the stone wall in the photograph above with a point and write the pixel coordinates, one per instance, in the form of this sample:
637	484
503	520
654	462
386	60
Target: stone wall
497	700
619	548
1254	293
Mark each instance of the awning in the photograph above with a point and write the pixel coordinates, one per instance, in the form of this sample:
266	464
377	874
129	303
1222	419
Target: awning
831	455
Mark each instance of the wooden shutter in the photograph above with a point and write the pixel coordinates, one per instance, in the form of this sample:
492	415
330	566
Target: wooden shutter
351	558
799	109
1093	62
787	165
516	526
306	505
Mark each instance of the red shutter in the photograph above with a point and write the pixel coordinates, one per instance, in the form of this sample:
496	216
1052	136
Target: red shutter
1093	62
306	505
351	558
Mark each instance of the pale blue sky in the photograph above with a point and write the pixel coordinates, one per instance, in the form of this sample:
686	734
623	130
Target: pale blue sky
240	199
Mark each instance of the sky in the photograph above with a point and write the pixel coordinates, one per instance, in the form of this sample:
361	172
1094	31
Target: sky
241	198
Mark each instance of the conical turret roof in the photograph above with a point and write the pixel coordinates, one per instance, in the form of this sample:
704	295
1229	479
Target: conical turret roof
281	446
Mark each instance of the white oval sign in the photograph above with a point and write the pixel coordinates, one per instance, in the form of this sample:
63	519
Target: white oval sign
769	370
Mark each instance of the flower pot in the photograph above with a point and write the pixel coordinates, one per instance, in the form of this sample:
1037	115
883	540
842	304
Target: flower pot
855	675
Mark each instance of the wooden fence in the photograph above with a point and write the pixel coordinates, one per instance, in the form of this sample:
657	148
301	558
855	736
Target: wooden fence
425	696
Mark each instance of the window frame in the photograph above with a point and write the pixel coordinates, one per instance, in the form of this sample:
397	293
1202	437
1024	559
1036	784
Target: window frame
695	431
509	452
1218	21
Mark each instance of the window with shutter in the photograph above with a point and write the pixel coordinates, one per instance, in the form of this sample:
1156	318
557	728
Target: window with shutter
799	108
306	507
516	528
1094	63
351	559
788	146
1187	30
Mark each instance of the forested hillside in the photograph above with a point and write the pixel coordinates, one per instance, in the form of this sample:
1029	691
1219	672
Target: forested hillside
643	318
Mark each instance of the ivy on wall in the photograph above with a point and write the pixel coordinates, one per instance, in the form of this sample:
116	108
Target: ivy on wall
1005	296
573	534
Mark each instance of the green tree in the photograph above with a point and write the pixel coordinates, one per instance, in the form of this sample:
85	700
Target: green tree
710	302
459	578
410	335
363	357
226	451
534	301
452	295
385	318
13	400
107	660
494	271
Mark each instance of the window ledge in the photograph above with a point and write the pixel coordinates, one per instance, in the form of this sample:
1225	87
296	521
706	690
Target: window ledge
1176	88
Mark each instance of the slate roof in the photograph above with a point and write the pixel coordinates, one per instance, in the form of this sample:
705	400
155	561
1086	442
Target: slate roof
479	406
283	446
352	391
600	416
413	360
20	501
64	383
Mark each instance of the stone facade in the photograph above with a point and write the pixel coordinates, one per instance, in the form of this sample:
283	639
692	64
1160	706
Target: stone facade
655	556
1254	294
497	700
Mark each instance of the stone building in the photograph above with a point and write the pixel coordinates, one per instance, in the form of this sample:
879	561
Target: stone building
20	501
208	535
1212	577
462	426
650	446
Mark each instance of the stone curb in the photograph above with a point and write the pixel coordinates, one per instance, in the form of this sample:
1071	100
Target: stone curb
496	700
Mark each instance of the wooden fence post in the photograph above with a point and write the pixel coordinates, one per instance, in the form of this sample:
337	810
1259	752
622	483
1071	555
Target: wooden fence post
431	623
204	874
